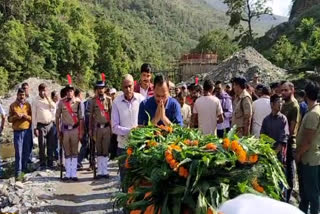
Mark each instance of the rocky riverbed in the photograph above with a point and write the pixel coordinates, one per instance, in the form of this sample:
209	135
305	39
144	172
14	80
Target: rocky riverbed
21	196
43	192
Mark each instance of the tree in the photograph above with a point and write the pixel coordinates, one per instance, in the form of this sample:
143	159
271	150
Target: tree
285	54
3	80
13	49
112	57
217	42
246	11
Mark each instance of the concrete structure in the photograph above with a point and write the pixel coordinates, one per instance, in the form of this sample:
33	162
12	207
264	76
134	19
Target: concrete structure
195	64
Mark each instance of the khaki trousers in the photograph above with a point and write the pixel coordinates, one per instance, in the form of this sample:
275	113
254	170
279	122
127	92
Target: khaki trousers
103	137
71	142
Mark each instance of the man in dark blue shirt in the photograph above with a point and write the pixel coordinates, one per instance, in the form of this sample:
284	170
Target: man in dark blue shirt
275	125
162	109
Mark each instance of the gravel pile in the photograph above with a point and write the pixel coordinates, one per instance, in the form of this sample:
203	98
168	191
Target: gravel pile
244	63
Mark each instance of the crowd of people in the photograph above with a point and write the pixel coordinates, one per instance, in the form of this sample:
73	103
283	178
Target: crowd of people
290	118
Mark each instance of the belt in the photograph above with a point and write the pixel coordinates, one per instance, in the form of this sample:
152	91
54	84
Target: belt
103	125
69	127
43	124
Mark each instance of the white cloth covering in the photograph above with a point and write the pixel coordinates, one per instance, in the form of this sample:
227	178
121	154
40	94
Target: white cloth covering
253	204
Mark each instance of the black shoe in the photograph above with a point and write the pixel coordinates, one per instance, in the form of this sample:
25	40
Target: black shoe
42	168
98	177
74	179
79	166
65	179
107	176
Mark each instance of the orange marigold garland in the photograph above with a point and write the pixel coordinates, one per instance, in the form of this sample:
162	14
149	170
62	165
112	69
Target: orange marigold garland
253	158
226	143
126	164
257	186
191	143
151	143
211	146
166	128
129	151
182	171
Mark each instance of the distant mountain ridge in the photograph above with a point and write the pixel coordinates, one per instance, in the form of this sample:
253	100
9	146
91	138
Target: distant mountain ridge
265	22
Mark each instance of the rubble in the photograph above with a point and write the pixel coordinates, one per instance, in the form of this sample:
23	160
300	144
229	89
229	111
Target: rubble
20	196
245	63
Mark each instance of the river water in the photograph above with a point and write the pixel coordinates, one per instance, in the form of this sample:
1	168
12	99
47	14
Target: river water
6	150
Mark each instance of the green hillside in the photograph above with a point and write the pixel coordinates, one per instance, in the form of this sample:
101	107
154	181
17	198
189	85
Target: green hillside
294	45
52	38
164	29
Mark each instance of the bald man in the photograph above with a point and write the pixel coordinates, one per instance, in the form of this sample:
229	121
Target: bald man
124	115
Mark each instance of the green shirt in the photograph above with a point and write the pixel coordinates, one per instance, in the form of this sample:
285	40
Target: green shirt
311	121
291	110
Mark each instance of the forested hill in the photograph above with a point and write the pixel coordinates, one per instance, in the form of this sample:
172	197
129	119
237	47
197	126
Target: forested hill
52	38
164	29
174	25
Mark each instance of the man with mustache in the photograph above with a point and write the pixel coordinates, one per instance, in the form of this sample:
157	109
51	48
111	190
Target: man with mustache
42	119
145	87
100	127
125	109
20	117
69	115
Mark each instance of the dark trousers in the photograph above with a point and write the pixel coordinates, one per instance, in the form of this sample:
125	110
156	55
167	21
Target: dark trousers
46	143
22	140
122	169
221	132
113	148
30	147
84	150
290	168
56	142
309	186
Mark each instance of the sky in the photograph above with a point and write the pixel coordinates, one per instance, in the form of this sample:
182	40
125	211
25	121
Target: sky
280	7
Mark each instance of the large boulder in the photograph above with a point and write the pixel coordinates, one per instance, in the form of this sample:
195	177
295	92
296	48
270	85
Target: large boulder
245	63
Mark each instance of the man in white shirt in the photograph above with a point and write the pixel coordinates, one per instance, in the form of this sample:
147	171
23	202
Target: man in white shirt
185	109
207	110
261	108
42	119
124	116
55	99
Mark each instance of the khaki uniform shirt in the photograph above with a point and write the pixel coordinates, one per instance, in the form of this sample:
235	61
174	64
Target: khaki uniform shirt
242	106
63	113
311	121
96	114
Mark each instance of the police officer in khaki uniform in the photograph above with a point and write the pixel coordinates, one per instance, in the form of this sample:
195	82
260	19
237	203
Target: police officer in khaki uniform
99	127
242	107
70	117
